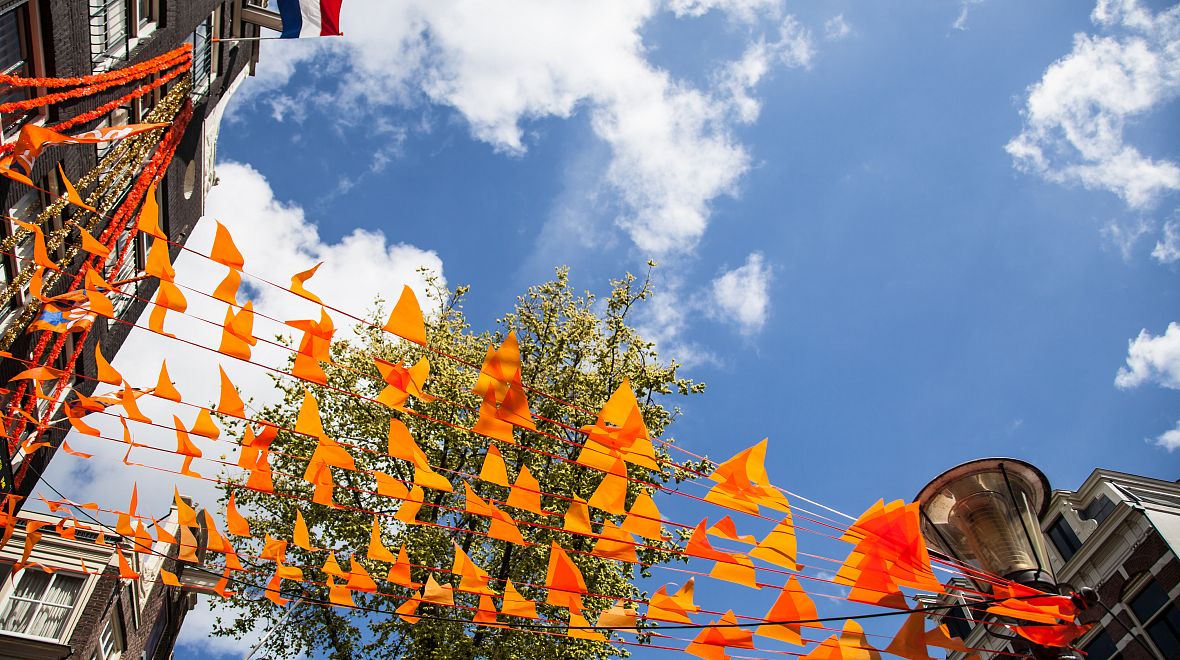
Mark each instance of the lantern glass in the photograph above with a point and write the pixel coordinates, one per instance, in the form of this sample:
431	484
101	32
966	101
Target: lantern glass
986	514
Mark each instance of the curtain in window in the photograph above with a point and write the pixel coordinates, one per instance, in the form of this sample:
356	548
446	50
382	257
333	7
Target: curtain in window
40	604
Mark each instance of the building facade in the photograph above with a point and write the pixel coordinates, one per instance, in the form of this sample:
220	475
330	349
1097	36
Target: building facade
71	38
1120	535
71	602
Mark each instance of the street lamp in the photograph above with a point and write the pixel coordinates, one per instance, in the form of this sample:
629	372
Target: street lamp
986	514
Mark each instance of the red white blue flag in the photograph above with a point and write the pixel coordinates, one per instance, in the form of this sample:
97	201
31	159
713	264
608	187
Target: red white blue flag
310	18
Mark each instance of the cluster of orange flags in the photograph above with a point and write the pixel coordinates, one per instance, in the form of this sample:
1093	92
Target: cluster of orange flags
889	552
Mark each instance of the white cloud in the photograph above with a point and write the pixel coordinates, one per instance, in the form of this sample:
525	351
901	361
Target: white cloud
1124	237
1167	249
1152	358
1169	439
672	151
1075	116
742	295
277	240
836	28
964	10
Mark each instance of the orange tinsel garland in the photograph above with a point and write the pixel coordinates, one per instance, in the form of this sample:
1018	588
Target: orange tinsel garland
133	71
49	99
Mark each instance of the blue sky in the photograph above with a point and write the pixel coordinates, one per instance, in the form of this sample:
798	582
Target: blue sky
873	249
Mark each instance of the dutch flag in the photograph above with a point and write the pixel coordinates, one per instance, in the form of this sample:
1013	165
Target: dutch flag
310	18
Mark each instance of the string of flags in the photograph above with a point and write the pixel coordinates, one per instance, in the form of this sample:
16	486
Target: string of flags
616	453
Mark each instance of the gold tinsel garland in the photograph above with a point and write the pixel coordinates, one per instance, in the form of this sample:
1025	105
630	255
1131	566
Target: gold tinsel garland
113	175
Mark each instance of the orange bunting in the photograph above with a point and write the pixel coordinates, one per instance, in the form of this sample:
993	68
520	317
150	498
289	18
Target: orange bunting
359	579
297	281
1059	636
224	251
159	263
778	547
149	215
486	613
377	550
644	518
792	604
564	580
514	604
106	373
614	543
526	492
579	628
503	527
227	290
301	536
96	289
401	383
726	529
387	486
611	494
743	485
405	320
229	403
494	470
674	608
237	334
91	244
436	593
125	570
472	578
40	253
184	445
204	426
427	478
737	569
164	387
577	518
619	617
399	573
407	609
408	511
402	445
619	432
128	399
339	595
711	643
72	195
489	423
235	523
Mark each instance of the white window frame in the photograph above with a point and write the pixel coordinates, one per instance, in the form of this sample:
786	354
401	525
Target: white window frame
112	633
6	596
137	28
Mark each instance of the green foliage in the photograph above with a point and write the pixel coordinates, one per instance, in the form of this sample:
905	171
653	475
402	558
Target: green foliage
575	347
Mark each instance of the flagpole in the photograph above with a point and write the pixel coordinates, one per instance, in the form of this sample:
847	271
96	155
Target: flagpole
217	40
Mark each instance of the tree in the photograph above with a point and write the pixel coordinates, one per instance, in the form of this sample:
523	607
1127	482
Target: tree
574	347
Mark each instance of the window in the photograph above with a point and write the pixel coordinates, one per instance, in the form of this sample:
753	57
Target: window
41	604
202	41
15	59
127	270
1098	509
110	641
1064	538
1159	617
957	622
110	34
1101	647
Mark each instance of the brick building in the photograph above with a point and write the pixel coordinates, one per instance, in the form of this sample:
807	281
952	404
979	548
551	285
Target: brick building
81	608
69	38
1119	534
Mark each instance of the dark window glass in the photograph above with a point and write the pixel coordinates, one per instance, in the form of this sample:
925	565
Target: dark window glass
1098	509
15	57
1165	632
957	623
1149	600
1064	538
1100	648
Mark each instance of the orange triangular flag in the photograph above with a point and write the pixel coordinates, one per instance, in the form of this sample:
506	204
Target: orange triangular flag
297	281
407	609
486	613
72	195
184	445
674	608
792	604
611	494
516	605
910	640
579	628
164	387
234	522
106	373
402	445
778	547
526	492
224	251
91	244
377	550
439	594
40	253
644	518
564	580
229	402
227	291
399	573
406	319
204	426
472	578
159	263
359	579
301	537
125	570
408	511
614	543
493	470
428	478
577	518
149	215
339	595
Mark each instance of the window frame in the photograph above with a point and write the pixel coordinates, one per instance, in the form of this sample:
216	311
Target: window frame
7	595
31	40
1060	523
1145	624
